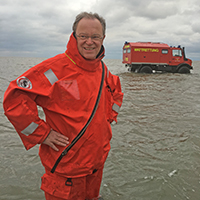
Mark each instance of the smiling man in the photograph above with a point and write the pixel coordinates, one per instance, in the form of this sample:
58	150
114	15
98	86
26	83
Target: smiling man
80	99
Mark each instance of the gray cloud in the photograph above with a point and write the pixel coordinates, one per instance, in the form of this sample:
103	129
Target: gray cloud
35	28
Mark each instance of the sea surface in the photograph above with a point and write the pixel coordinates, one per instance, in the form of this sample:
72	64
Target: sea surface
155	149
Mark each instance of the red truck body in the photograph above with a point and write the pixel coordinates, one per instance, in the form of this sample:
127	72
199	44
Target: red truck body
146	57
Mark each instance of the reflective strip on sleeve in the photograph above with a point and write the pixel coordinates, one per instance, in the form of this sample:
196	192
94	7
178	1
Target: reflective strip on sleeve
51	76
116	107
30	129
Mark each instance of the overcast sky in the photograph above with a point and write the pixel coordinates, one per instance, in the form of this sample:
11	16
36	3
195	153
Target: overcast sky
41	28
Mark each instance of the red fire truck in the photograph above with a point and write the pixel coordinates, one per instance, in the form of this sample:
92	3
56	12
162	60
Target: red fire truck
148	57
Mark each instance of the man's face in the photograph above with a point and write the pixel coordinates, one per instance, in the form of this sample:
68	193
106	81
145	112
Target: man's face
89	47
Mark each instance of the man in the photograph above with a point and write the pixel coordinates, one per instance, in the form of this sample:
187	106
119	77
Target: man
66	87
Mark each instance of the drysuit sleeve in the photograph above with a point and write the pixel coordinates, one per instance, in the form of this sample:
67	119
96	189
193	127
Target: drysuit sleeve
21	109
114	88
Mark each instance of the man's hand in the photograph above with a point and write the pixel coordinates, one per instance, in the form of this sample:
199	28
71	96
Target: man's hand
56	138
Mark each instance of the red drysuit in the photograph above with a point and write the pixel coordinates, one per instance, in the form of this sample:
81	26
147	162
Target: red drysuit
66	87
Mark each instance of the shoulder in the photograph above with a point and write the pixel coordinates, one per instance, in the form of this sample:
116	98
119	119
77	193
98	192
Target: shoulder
52	62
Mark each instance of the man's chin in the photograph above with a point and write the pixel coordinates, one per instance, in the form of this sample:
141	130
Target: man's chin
89	57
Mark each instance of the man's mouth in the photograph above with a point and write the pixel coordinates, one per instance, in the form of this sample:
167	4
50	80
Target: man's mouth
89	49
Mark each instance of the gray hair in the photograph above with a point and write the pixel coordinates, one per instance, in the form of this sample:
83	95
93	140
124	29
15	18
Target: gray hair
89	16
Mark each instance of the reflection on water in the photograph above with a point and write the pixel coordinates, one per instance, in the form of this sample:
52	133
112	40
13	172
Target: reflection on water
155	147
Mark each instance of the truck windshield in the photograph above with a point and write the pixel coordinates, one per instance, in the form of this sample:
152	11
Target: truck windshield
177	52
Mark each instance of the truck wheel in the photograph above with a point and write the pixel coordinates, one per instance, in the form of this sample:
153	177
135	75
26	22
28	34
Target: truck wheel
132	69
146	69
184	70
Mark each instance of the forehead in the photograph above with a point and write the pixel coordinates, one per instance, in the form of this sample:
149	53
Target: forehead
86	25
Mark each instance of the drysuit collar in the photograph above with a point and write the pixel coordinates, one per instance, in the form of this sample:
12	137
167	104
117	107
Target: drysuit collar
73	53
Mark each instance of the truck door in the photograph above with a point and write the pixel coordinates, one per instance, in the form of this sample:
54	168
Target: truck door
164	56
127	55
176	57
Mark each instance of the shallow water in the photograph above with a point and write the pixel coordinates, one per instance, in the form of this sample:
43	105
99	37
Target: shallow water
155	146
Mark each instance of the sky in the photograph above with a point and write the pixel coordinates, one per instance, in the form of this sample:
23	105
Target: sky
41	28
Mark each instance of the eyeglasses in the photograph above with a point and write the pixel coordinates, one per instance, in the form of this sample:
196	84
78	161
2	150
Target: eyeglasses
93	37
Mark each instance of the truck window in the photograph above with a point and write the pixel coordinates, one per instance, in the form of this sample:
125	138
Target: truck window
176	52
124	50
164	51
128	50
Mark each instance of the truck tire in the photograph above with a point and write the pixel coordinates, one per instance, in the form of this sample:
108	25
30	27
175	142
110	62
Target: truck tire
184	70
146	70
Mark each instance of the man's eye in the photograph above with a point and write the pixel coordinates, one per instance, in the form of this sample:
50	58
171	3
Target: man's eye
95	37
83	37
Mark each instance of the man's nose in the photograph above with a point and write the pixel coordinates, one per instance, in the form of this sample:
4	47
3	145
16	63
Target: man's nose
89	40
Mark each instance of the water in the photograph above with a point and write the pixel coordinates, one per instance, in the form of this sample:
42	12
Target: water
155	151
